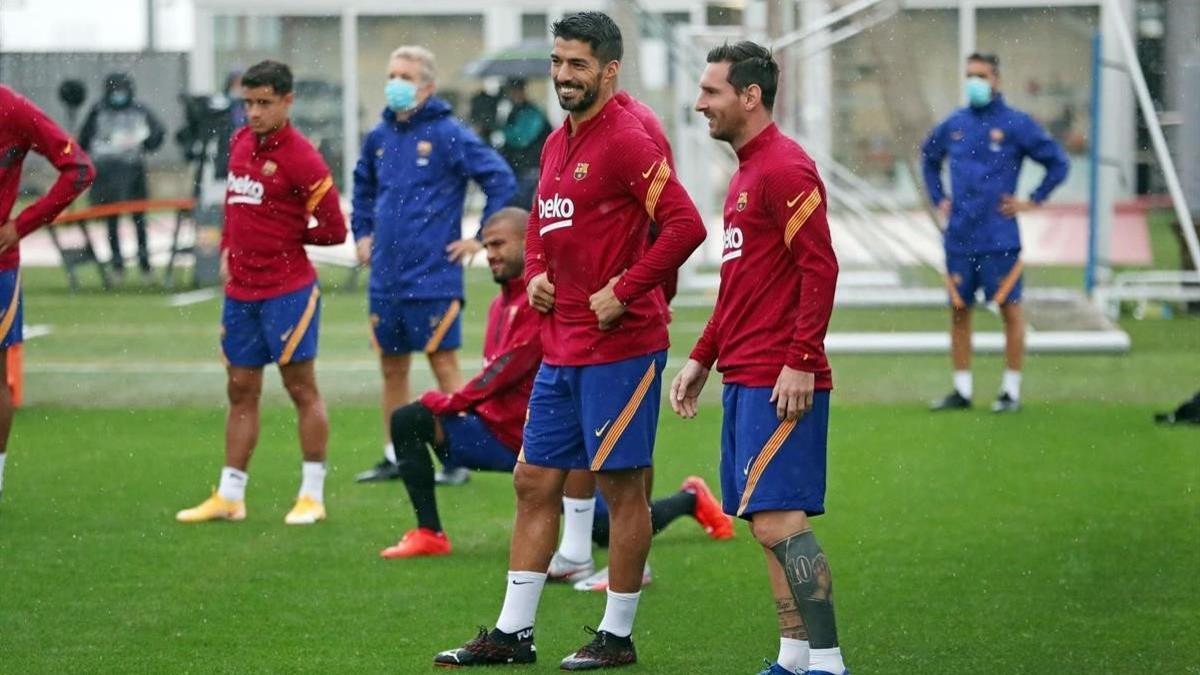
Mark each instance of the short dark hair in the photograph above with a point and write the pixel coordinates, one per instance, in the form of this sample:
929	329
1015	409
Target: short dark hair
749	63
269	74
988	58
595	28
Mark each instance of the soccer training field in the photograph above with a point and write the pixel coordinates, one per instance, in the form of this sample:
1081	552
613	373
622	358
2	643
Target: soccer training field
1064	539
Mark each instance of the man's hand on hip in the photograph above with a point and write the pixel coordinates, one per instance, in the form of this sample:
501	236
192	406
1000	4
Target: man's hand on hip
363	249
606	306
793	393
9	237
1011	206
541	293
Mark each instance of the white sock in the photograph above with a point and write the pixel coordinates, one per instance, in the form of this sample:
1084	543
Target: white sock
313	480
1012	384
233	484
389	453
619	613
578	514
963	383
793	654
521	598
3	456
828	660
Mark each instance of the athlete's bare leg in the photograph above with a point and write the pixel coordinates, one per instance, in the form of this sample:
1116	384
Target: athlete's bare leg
300	380
960	337
629	515
535	529
444	365
396	392
244	389
1014	335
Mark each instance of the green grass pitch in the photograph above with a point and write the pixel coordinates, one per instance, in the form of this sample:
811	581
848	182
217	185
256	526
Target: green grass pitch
1064	539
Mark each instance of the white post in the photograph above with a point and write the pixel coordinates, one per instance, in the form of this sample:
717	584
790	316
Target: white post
501	26
1159	141
817	86
966	38
350	144
203	61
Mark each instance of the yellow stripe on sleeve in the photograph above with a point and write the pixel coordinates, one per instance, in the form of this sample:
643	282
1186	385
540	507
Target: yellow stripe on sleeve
656	187
800	217
317	193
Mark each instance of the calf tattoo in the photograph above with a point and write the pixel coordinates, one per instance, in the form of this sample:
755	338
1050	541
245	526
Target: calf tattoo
790	624
808	576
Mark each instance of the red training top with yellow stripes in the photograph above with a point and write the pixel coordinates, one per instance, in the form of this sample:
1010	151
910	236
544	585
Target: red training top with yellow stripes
276	184
778	269
601	185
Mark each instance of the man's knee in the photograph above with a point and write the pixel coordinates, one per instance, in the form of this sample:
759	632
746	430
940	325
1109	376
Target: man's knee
623	489
394	367
536	486
412	421
770	527
244	389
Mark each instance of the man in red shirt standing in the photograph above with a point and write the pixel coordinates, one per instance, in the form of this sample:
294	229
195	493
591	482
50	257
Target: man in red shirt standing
767	334
592	272
277	183
24	127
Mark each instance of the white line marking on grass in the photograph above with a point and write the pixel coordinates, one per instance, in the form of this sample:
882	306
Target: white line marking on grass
192	297
36	331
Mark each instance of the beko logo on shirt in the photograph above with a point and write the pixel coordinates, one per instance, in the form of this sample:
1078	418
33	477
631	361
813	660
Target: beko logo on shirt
244	190
556	207
733	244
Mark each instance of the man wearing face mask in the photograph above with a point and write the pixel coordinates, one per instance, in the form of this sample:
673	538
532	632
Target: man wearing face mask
118	134
987	141
409	187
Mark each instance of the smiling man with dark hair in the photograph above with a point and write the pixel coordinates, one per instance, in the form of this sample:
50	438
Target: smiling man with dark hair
593	274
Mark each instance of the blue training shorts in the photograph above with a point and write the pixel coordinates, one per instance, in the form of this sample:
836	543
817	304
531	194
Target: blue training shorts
470	443
999	274
401	326
768	465
282	330
12	330
599	417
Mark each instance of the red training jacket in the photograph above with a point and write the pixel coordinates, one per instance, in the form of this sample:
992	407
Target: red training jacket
24	127
602	183
512	352
778	269
650	123
275	184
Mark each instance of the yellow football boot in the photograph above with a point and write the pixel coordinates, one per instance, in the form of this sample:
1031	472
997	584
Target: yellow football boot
307	511
215	507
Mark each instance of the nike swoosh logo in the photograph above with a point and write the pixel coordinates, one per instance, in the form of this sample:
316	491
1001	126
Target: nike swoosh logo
521	583
646	174
792	202
600	432
581	510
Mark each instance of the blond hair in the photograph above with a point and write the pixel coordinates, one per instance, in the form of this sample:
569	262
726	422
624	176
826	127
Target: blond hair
422	56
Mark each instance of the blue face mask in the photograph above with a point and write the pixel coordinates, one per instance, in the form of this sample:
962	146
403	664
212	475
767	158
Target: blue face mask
979	92
119	98
401	95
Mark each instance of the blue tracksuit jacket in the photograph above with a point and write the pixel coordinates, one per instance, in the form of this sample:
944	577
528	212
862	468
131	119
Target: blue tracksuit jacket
409	187
986	147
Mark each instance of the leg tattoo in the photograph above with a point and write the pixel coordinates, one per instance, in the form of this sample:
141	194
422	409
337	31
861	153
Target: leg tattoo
790	624
808	576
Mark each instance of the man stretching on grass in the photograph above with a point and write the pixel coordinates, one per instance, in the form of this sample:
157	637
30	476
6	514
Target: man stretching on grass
24	127
277	182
